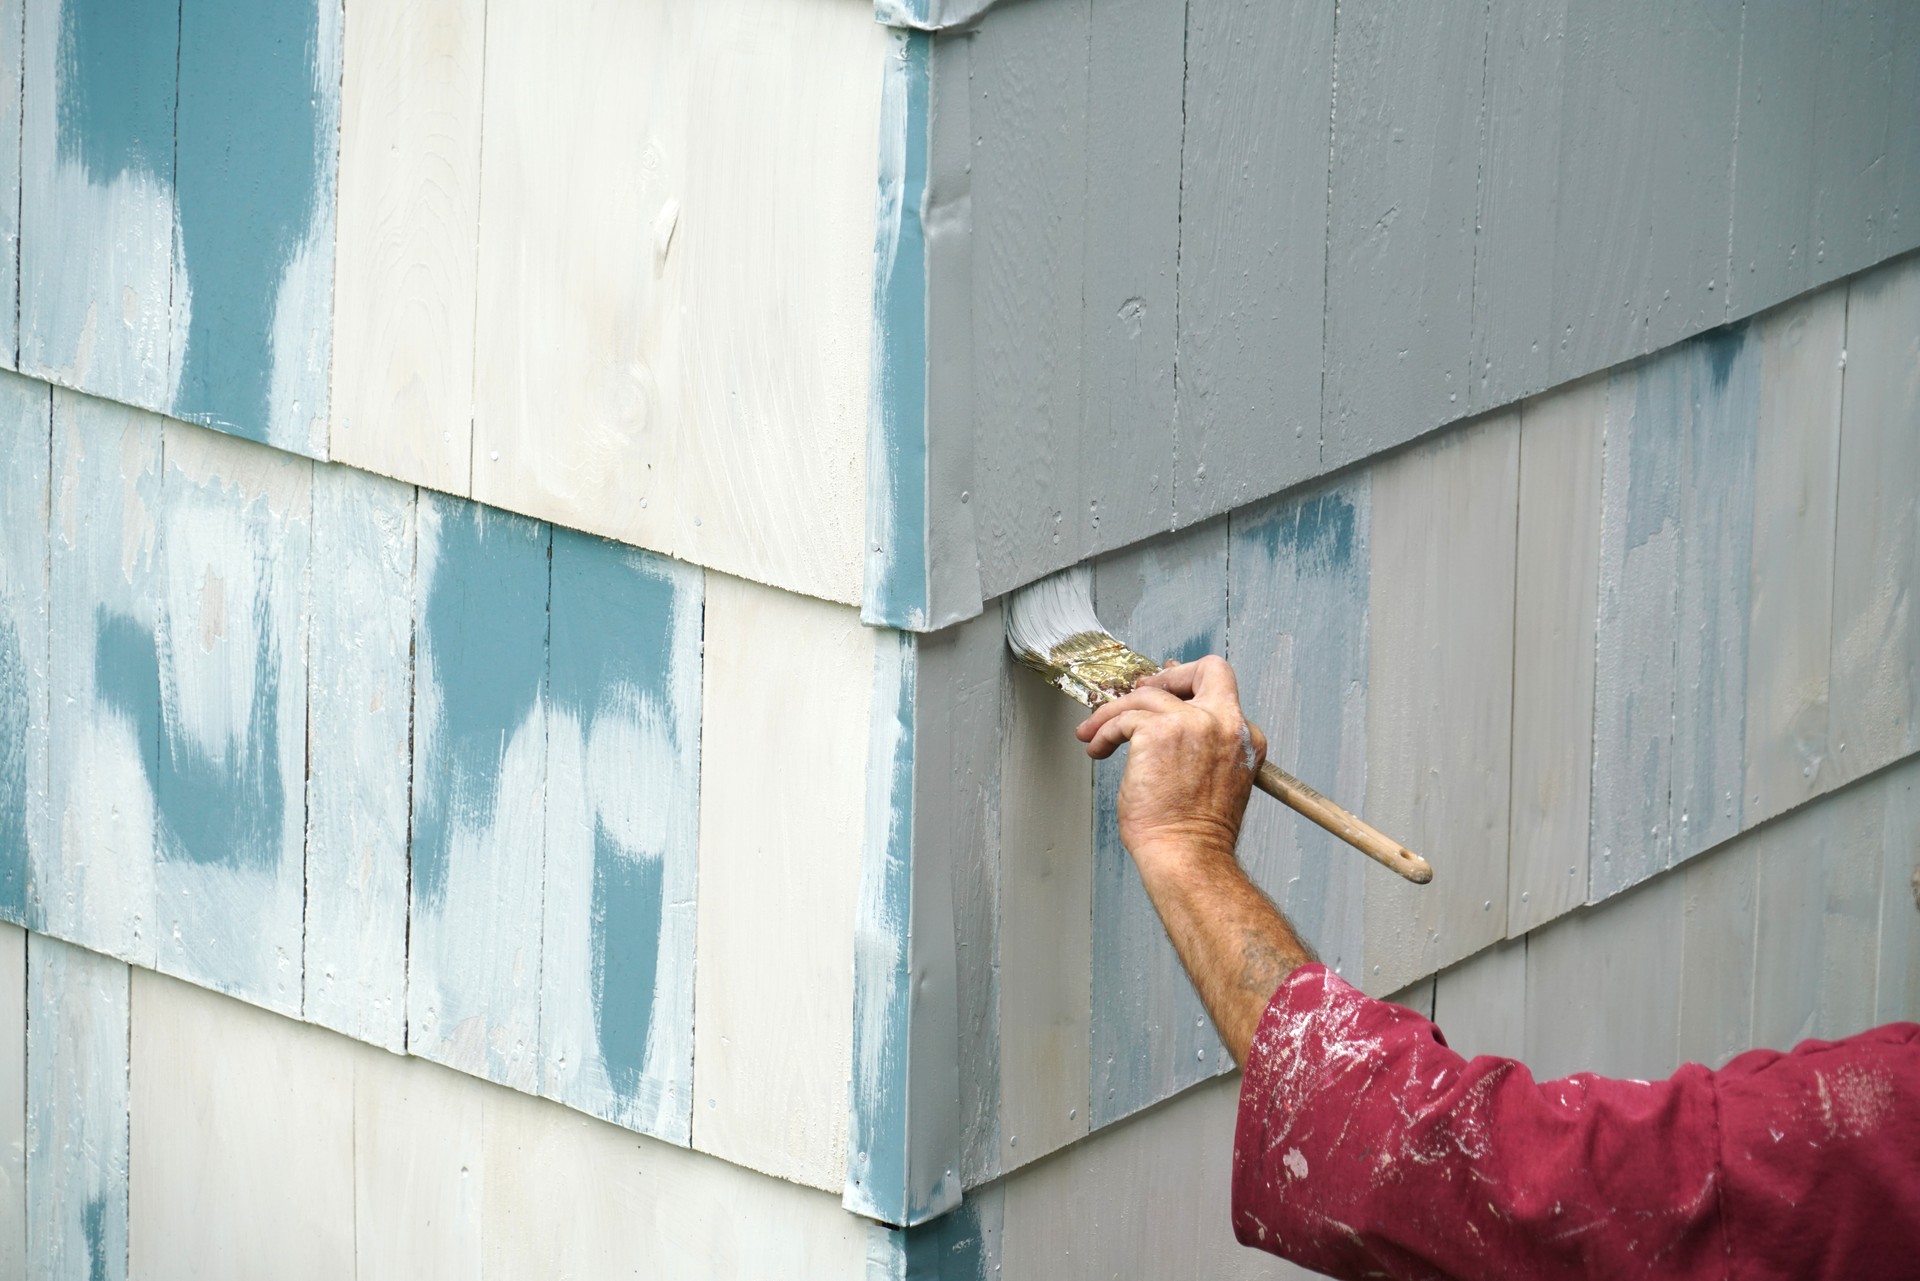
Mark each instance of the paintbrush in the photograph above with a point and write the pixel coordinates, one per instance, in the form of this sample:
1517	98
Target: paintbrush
1051	627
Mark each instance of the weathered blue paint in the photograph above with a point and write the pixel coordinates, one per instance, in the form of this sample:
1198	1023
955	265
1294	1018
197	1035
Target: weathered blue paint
896	587
878	1132
93	1228
953	1247
483	635
16	724
626	957
255	148
117	65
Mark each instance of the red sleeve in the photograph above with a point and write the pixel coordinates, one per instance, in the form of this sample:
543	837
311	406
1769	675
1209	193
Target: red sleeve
1366	1147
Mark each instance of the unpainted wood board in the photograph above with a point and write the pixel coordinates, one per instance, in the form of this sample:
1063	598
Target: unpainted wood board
1046	922
1030	179
1150	1035
95	881
1897	985
242	1140
1131	219
1810	175
1440	696
409	223
1556	603
1874	696
97	211
229	661
1147	1198
780	854
622	838
1645	178
1402	210
1298	638
418	1169
1253	243
672	347
479	790
1712	603
13	1101
1717	940
1796	478
359	755
960	782
26	441
255	150
1601	995
12	99
568	1196
1817	898
1634	666
77	1098
1514	246
1480	1004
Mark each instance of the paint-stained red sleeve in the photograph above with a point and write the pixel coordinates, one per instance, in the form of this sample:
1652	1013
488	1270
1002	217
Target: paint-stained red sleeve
1366	1147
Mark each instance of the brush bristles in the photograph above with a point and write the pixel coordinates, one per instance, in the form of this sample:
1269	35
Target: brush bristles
1051	627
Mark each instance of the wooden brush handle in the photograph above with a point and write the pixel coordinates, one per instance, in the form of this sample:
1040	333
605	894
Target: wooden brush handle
1282	786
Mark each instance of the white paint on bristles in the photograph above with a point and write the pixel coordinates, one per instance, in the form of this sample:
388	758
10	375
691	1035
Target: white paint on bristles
1052	611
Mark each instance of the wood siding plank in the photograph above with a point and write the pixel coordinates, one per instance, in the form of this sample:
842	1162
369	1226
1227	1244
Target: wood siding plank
622	838
97	225
479	788
1150	1035
774	994
260	1110
359	755
26	440
1600	991
12	102
419	1169
1562	441
1481	1003
229	661
1897	986
1717	940
409	220
1874	712
77	1029
1298	638
1440	696
13	1101
1796	477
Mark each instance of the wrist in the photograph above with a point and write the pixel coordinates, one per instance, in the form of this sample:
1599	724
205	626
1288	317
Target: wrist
1174	849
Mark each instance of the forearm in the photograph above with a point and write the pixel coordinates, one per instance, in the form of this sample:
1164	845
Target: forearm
1237	947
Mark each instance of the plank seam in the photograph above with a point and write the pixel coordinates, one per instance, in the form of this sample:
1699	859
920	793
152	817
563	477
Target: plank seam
413	653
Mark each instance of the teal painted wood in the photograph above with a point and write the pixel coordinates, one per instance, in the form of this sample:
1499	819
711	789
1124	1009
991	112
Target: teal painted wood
1403	208
26	441
1255	135
229	660
1634	645
77	1012
97	232
1713	596
257	147
961	1245
359	755
1298	638
1150	1035
479	788
12	97
622	835
896	588
94	884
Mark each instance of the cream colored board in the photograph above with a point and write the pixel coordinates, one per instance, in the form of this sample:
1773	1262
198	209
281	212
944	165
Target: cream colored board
1600	991
1046	923
13	1101
1556	602
674	306
1796	461
1440	696
788	687
1481	1003
409	224
568	1196
418	1169
1717	939
242	1141
1146	1197
1876	633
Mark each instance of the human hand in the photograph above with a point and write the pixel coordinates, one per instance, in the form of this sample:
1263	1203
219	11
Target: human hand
1190	768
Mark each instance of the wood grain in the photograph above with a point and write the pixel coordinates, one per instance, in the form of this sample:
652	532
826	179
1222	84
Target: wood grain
12	101
13	1101
1717	939
26	438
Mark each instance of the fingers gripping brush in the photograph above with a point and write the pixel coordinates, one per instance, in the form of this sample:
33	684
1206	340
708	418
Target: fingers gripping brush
1051	627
